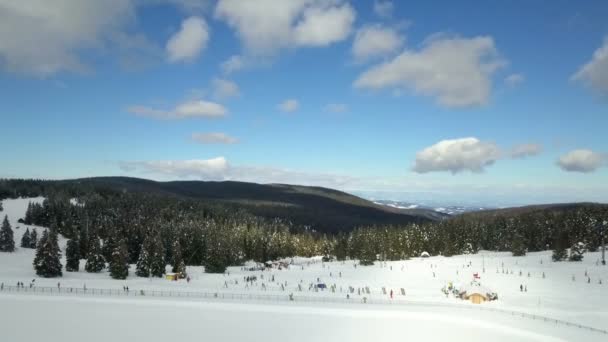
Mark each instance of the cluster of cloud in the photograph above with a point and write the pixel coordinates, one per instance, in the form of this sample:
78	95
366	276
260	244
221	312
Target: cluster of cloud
474	155
187	44
373	41
219	169
467	154
582	160
456	71
184	110
267	26
214	138
594	74
457	155
41	38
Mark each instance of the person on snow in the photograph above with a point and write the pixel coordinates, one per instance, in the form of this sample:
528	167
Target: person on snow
391	293
521	288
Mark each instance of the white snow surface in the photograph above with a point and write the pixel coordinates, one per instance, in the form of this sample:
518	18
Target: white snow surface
424	312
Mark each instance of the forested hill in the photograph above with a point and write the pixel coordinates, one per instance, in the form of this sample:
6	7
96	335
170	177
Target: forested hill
597	210
322	209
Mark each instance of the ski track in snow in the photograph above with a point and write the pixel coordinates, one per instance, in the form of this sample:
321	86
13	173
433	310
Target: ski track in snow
556	296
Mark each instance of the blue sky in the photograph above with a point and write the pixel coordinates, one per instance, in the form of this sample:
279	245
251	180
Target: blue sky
498	103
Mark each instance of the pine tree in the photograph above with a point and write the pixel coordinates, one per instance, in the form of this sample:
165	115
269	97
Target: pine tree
33	239
518	246
25	239
576	251
95	261
179	266
560	251
119	264
217	250
28	214
151	261
72	256
47	262
109	245
7	242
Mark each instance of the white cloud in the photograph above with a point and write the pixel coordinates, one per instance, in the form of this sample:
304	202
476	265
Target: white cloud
323	26
267	26
594	74
457	71
514	79
184	110
189	41
289	106
457	155
375	41
585	161
214	138
212	169
232	64
41	38
223	89
525	150
219	169
335	107
384	8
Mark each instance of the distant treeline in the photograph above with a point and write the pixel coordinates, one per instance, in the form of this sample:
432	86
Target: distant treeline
218	235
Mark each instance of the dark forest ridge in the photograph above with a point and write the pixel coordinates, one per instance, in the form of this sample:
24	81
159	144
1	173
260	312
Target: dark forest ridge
323	209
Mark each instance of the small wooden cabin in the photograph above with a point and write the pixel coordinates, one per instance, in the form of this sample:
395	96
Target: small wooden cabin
477	298
172	276
475	293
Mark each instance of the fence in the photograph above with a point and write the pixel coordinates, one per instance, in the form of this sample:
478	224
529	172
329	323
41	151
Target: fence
222	296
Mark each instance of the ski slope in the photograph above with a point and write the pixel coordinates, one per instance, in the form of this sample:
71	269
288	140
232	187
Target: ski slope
423	312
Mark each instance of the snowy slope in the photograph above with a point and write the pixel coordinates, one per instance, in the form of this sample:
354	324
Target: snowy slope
556	295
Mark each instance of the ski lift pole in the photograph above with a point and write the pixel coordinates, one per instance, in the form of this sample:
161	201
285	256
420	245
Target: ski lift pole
602	228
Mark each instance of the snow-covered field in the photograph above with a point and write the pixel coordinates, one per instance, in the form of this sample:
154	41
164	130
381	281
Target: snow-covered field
423	312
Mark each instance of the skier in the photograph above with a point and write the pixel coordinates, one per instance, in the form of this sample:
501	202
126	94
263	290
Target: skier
521	288
391	293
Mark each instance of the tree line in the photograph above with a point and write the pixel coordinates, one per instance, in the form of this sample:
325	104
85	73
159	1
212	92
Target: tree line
112	229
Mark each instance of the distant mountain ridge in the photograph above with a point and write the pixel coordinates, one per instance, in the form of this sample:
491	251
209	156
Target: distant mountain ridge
323	209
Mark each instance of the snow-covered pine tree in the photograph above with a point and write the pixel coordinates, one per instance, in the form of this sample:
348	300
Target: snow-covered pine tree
560	251
576	251
72	256
47	262
29	214
25	239
95	261
109	245
218	249
518	245
119	263
151	261
33	238
7	242
179	266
